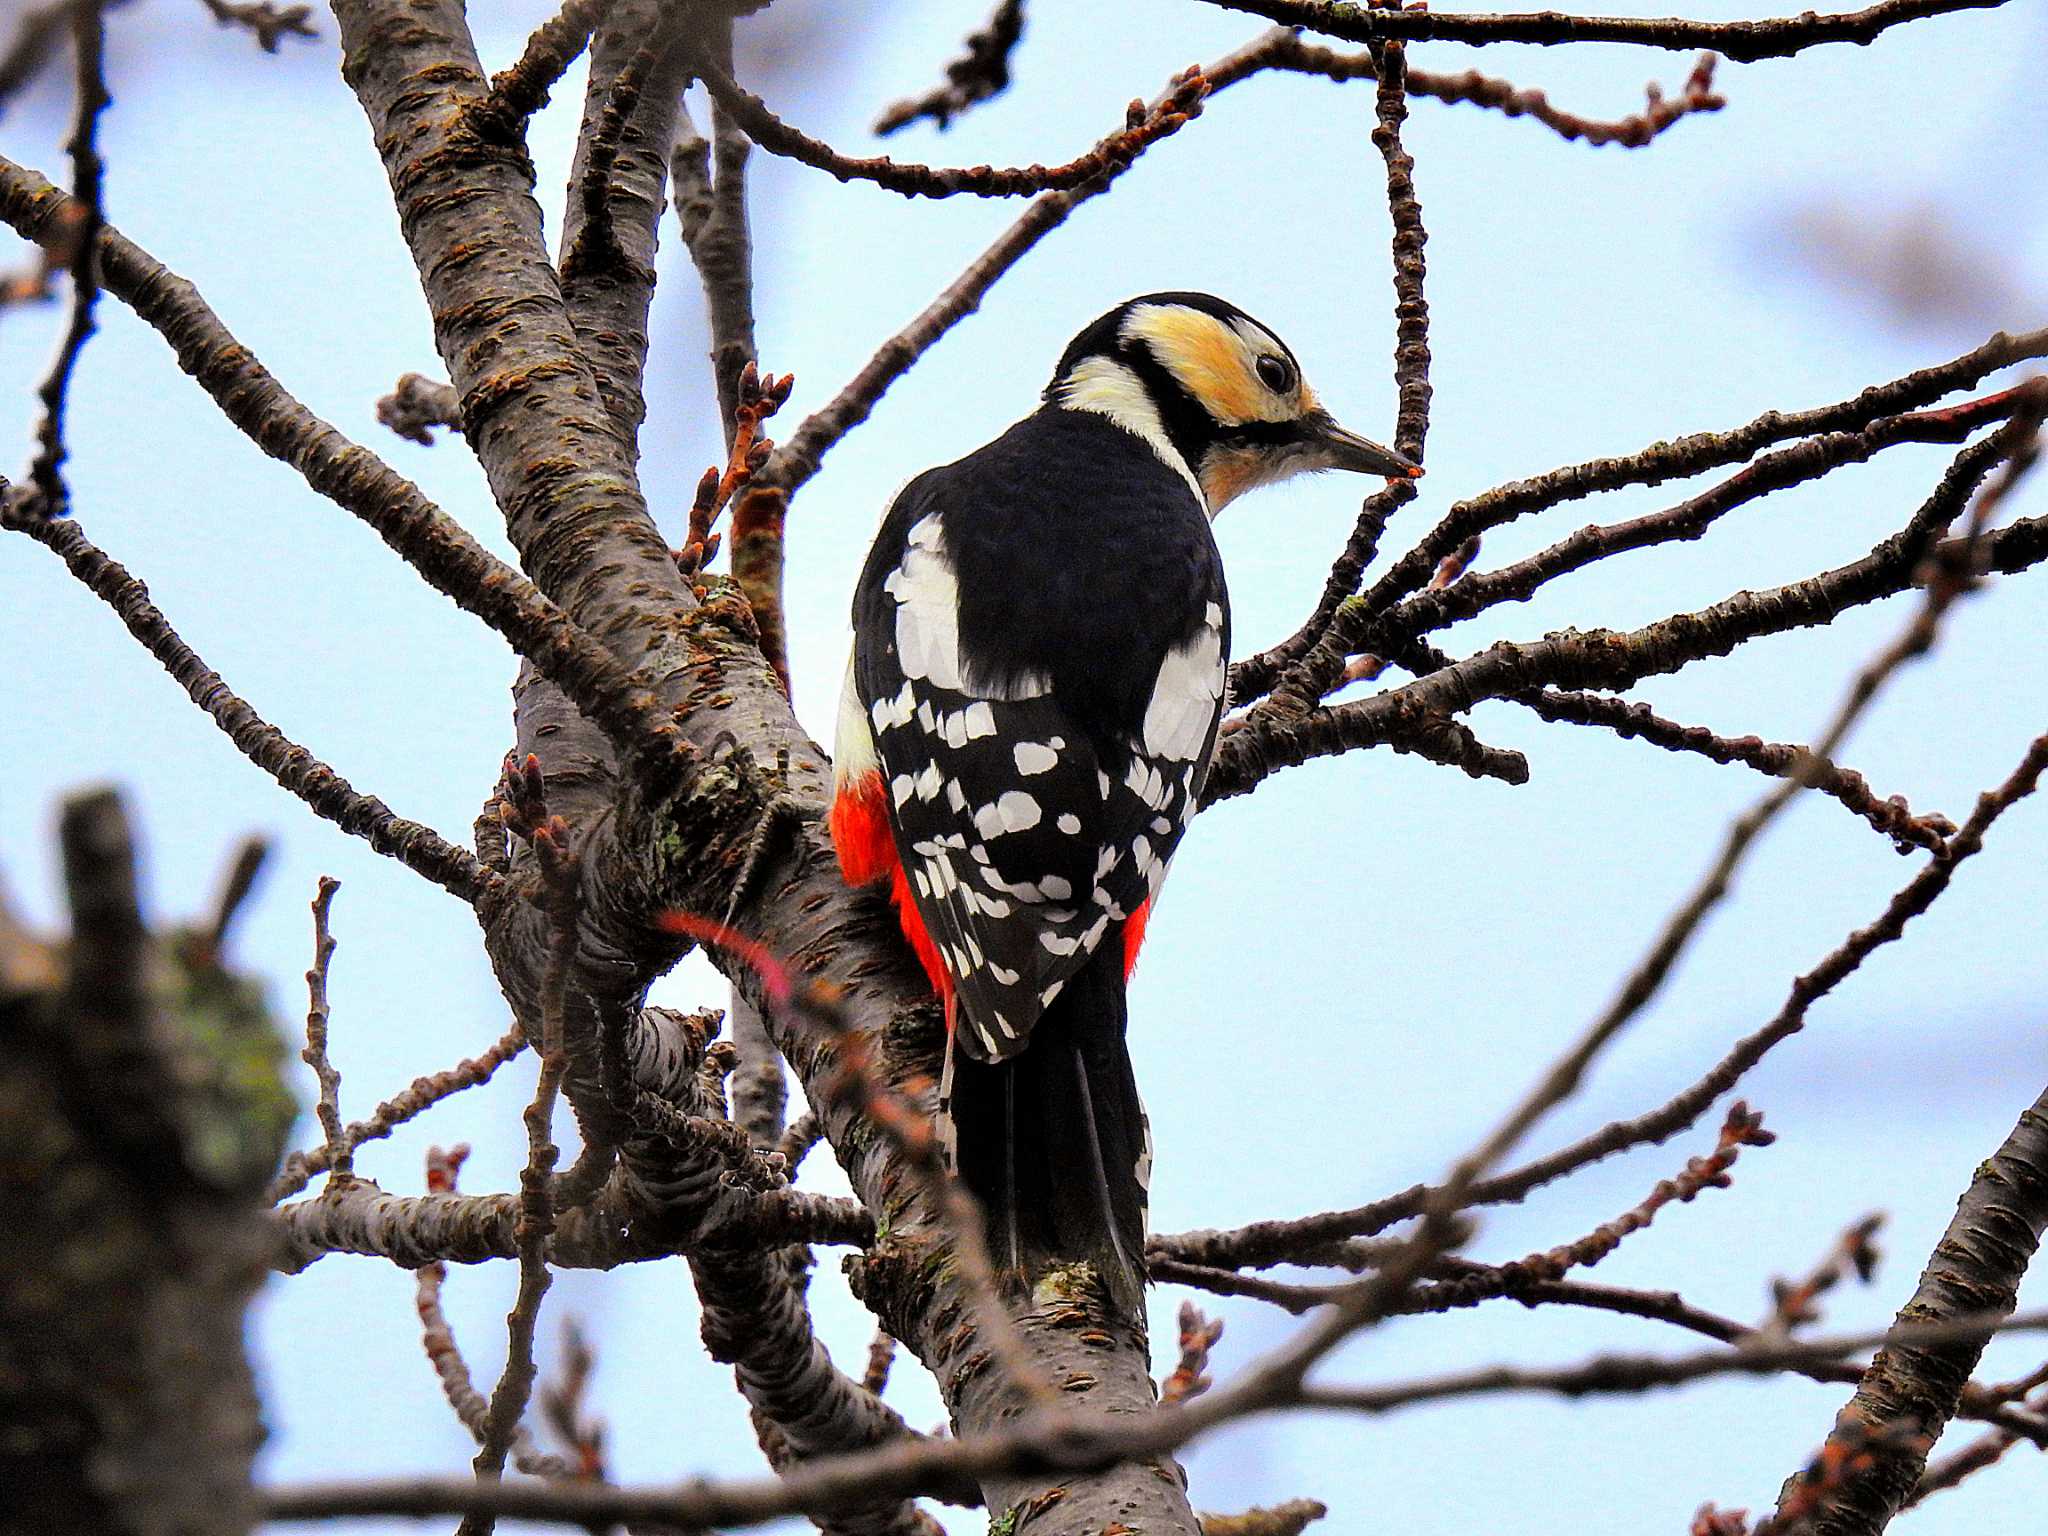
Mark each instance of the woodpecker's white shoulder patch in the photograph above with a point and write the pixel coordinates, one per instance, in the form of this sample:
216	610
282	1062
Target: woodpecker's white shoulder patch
927	595
1108	388
927	608
1187	693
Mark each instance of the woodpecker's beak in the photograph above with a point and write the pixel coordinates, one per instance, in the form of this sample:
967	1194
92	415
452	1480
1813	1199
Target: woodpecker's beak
1344	449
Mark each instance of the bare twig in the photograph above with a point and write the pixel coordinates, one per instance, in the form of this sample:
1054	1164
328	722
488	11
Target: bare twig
1289	1519
536	1200
562	1405
264	20
418	404
1659	112
437	1338
238	879
1892	816
756	398
421	1095
89	44
339	1150
1854	1252
1189	1379
1142	128
326	792
983	72
1772	38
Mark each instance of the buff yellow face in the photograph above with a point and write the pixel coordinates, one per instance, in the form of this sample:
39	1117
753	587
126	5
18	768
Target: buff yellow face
1215	394
1263	422
1233	369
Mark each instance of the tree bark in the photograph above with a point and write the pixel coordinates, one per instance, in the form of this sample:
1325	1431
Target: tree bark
1912	1390
141	1114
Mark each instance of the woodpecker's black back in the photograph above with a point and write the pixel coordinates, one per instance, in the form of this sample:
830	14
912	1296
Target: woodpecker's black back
1079	555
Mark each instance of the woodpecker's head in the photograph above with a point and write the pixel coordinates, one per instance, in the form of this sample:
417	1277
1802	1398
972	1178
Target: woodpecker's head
1214	392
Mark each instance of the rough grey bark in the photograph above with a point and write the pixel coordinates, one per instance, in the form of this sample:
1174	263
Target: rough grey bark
1911	1390
141	1113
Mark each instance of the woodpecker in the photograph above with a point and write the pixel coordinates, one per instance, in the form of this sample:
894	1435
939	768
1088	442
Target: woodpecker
1040	643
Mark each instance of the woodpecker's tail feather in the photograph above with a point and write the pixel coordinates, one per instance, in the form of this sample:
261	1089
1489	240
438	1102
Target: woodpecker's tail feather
1053	1142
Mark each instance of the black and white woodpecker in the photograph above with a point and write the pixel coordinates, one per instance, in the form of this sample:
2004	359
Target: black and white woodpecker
1040	643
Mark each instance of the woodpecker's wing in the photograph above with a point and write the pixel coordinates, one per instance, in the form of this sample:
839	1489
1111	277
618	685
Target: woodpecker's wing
1028	836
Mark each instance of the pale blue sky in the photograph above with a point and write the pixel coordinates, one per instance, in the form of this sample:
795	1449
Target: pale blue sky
1357	968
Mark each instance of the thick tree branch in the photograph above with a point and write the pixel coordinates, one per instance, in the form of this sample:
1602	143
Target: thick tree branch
618	182
532	407
1975	1271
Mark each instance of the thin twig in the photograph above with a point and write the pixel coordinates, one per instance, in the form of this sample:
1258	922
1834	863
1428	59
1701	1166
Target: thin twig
437	1337
982	73
339	1150
418	404
264	20
1142	128
1055	1439
326	792
88	171
1636	721
421	1095
238	879
536	1198
1772	38
1189	1378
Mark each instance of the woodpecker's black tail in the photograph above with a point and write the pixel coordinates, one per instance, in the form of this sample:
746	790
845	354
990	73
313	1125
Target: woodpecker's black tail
1053	1142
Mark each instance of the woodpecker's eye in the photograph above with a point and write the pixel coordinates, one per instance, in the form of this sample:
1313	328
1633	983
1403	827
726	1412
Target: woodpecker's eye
1276	373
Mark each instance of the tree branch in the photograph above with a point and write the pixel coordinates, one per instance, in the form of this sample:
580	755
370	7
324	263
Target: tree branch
983	73
351	476
1142	129
1056	1440
324	791
89	45
1773	38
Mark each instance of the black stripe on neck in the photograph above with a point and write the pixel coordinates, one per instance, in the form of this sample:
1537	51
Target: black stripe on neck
1190	428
